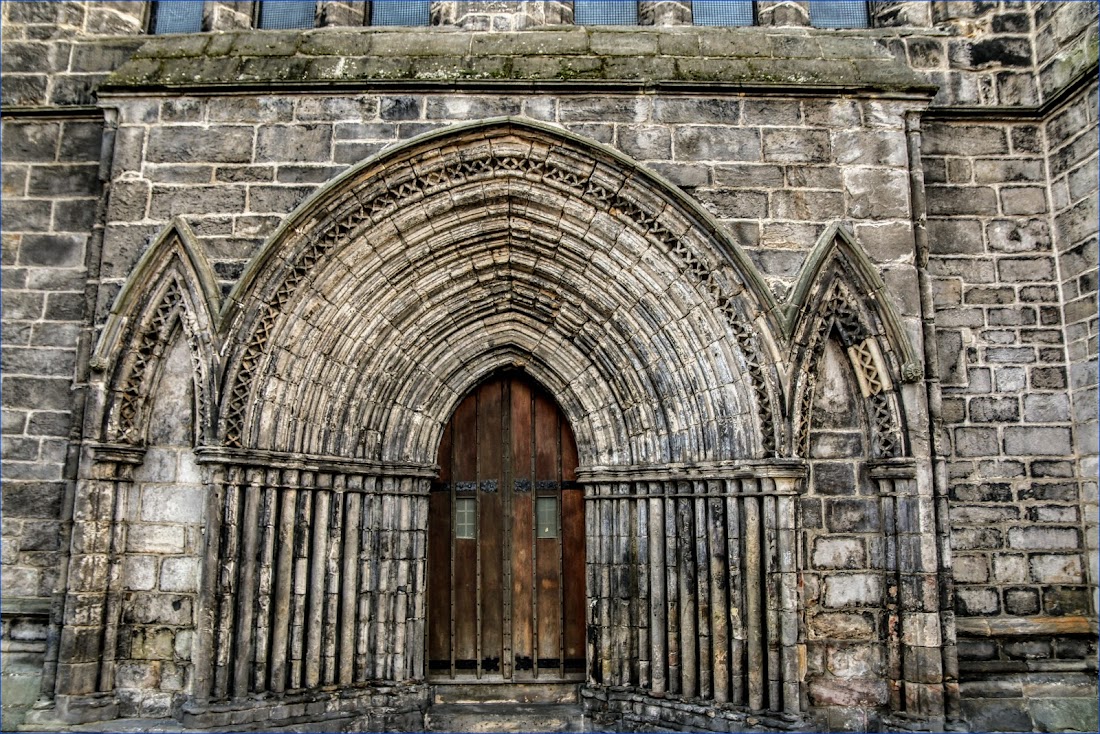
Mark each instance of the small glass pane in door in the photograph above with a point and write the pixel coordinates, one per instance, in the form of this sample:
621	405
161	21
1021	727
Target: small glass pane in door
546	517
465	518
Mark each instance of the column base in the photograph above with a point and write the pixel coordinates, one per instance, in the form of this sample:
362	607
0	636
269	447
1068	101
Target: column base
68	710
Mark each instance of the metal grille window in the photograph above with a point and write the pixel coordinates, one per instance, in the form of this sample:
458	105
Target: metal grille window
546	517
829	14
399	12
722	12
465	518
605	12
286	14
179	16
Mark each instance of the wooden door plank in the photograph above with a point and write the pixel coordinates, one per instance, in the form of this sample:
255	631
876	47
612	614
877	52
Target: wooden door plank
572	509
572	516
439	559
465	550
547	550
490	535
510	430
439	565
522	526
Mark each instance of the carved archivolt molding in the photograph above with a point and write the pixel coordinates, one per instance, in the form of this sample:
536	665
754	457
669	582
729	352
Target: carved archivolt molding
366	204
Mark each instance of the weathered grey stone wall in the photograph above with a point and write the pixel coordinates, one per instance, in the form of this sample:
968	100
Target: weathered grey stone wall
1012	207
844	581
164	544
50	198
1064	39
775	172
56	53
1003	367
1017	509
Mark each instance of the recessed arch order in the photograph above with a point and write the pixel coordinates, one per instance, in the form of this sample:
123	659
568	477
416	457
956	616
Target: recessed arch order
506	243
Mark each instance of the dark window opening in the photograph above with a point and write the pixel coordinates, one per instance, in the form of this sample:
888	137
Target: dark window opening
839	14
179	16
286	14
399	12
605	12
723	12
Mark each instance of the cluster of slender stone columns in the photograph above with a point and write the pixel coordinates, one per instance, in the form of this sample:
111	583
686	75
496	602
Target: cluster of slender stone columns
316	579
692	585
82	666
920	663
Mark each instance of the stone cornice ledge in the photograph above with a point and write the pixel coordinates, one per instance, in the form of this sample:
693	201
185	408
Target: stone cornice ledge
266	459
787	61
748	469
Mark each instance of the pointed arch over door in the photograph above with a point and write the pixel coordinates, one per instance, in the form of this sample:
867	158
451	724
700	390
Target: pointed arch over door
506	591
626	298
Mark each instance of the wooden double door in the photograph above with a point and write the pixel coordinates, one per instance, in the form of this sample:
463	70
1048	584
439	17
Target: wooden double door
506	597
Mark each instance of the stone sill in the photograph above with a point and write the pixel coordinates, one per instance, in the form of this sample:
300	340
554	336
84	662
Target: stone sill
1024	626
1000	667
692	58
25	606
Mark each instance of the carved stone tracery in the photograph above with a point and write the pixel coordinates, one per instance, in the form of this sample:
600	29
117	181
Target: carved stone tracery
837	316
170	293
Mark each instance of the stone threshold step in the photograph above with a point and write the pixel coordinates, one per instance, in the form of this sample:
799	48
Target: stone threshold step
504	717
459	691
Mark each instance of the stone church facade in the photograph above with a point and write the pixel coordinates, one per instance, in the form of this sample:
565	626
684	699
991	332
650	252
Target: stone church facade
739	377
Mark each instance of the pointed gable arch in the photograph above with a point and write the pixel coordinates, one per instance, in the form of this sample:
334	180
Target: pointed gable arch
840	295
384	297
171	289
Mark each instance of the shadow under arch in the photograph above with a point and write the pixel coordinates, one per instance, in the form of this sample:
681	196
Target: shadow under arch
353	332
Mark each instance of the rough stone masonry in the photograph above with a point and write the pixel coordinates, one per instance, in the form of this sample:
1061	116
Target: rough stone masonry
818	304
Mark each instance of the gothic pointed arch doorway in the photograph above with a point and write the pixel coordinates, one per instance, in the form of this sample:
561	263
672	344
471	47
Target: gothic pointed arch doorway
506	567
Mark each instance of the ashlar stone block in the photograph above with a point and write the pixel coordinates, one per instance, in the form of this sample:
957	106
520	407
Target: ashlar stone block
857	589
179	574
172	504
838	553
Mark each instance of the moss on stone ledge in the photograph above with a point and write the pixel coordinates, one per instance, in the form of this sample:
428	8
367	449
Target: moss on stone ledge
736	57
